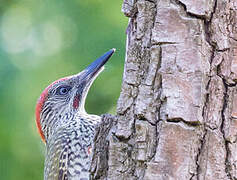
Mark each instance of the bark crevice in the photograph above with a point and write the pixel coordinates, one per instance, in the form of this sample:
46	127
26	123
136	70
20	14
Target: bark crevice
225	99
200	150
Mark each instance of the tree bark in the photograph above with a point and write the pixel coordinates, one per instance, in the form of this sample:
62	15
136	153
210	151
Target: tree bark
177	111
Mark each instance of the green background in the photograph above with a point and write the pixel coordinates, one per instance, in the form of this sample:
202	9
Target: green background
42	41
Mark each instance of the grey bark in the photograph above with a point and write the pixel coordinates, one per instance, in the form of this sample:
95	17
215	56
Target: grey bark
177	111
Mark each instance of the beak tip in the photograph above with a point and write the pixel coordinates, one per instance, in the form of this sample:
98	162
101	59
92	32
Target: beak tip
113	49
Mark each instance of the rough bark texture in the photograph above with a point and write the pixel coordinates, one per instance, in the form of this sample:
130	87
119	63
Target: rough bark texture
177	112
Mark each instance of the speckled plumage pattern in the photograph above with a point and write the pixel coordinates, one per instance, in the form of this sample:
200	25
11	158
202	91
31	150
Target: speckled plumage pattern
64	125
68	155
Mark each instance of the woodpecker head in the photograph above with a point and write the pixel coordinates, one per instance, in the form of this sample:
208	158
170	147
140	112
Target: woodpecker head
61	100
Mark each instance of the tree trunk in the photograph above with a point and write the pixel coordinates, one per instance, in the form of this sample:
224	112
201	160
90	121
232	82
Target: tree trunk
177	112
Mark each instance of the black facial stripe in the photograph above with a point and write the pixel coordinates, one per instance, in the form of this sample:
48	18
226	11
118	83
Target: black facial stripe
46	110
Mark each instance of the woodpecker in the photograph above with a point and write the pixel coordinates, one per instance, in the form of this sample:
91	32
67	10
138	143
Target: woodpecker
64	125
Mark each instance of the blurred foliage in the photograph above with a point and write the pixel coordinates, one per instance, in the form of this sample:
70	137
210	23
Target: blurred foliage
41	41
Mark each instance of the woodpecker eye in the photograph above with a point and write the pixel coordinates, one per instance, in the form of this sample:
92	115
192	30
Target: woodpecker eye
63	90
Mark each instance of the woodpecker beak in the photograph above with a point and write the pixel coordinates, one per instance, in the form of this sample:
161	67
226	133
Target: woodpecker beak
86	78
94	68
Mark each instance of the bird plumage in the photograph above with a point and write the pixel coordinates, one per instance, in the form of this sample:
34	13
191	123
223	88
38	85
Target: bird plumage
64	125
68	153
